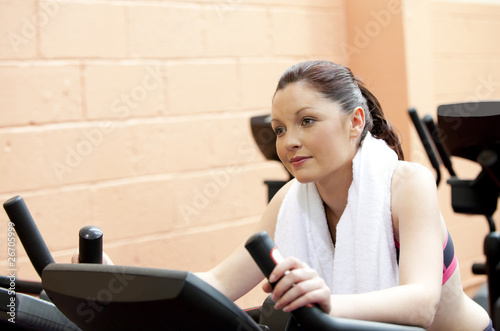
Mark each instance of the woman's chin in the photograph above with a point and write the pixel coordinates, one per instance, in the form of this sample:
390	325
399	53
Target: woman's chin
304	179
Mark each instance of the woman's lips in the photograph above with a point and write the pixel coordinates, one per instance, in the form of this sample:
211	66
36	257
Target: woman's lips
299	160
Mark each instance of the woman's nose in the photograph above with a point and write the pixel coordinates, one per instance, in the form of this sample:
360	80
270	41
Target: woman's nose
292	141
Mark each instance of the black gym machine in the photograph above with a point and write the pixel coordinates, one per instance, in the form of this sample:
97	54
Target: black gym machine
93	296
470	131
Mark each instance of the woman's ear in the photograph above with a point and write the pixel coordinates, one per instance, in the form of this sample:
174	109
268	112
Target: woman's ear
357	122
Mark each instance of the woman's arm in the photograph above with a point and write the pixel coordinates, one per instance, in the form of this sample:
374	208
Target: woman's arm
238	273
418	228
234	276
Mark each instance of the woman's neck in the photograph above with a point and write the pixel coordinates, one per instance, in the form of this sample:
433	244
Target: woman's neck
334	192
334	195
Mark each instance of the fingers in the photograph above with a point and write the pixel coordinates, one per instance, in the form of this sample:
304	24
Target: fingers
304	294
267	287
76	258
298	286
296	281
106	259
287	264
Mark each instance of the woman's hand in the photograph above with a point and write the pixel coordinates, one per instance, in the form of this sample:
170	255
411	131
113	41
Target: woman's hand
300	285
105	258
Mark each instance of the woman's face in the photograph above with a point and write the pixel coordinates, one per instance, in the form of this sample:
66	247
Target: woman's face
314	137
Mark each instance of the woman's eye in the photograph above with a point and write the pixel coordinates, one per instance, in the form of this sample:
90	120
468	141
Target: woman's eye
279	131
307	121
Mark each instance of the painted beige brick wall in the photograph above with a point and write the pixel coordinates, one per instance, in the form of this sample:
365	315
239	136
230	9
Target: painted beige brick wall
134	115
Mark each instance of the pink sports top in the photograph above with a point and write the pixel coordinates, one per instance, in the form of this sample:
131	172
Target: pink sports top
449	258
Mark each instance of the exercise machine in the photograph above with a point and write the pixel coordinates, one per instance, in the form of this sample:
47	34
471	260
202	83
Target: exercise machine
265	138
93	296
470	131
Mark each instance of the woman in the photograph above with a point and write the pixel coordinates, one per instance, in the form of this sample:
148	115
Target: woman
364	226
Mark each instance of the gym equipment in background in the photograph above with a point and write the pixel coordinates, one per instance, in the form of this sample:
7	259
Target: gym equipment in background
265	138
470	131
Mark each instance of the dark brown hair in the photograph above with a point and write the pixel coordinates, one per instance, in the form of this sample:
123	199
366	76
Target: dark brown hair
338	84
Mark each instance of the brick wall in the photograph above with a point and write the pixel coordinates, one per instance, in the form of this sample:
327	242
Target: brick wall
134	116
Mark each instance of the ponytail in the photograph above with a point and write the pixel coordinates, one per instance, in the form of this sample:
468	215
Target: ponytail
376	122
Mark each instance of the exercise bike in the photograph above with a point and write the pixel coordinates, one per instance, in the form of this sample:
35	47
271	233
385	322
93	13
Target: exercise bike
93	296
265	139
470	131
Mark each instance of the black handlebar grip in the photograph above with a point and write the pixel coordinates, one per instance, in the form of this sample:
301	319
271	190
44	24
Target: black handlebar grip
426	142
443	154
28	233
479	269
264	252
90	245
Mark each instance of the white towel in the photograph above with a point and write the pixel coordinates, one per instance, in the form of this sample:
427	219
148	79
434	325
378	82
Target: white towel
364	257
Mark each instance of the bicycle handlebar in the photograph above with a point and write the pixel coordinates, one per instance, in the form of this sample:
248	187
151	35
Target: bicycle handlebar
265	253
28	233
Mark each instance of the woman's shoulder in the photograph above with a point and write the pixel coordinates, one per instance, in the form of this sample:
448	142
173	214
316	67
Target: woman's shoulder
270	216
414	198
411	175
278	198
413	185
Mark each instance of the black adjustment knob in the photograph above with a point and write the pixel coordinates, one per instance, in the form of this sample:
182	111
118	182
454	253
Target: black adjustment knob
90	245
